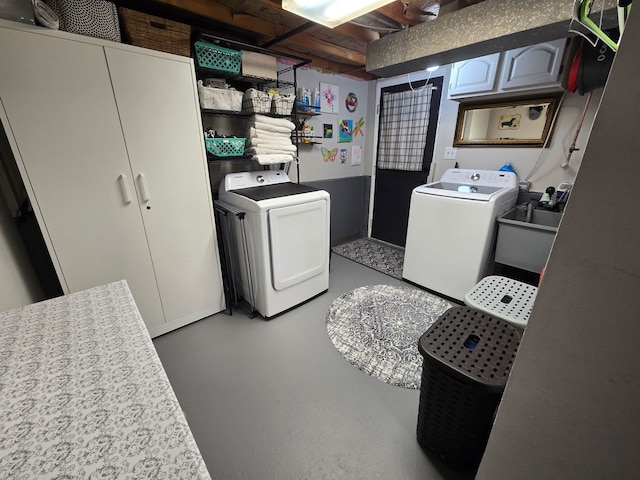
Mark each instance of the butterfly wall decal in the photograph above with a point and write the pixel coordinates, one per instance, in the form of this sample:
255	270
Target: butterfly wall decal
329	155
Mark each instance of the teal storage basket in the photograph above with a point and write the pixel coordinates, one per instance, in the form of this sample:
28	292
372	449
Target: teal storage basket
225	147
219	59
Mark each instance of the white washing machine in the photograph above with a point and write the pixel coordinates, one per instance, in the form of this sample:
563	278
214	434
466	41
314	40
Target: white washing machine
285	260
452	226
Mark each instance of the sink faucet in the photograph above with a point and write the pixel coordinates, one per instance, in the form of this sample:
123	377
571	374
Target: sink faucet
548	199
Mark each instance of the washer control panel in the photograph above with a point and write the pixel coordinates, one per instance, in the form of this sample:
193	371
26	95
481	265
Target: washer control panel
235	181
479	177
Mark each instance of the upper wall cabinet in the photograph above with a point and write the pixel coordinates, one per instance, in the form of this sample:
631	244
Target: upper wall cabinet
475	76
533	68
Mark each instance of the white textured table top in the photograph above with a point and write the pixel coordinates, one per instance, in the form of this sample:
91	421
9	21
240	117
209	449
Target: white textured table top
83	394
504	298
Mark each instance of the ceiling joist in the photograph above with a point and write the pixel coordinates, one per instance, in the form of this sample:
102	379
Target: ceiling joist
263	23
296	44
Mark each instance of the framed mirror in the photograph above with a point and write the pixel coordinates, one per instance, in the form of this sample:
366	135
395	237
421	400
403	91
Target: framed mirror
523	122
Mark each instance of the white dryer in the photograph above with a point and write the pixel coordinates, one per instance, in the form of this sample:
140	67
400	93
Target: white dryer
285	260
451	229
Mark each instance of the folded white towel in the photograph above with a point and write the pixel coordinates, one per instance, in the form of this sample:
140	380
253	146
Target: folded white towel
272	128
284	143
267	150
277	122
258	133
270	159
268	142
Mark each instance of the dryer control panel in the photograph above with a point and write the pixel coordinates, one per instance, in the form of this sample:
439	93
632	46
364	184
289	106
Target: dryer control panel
236	181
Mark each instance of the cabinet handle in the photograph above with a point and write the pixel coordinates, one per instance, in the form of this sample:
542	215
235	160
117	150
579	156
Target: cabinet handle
124	186
144	190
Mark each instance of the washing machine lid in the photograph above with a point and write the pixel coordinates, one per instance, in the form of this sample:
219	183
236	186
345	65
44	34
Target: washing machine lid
265	192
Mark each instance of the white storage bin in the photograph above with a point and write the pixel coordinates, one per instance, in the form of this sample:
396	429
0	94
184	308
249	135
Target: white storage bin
219	98
255	101
282	103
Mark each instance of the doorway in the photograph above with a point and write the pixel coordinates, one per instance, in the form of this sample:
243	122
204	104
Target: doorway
406	137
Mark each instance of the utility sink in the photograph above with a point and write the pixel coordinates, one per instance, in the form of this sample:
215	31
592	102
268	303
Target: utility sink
526	244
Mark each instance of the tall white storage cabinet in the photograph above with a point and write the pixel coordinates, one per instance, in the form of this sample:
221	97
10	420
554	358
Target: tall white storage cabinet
107	138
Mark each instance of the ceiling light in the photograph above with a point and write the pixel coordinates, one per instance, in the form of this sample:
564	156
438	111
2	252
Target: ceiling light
332	13
432	69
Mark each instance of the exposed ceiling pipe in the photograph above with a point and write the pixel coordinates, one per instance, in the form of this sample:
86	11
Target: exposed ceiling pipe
301	29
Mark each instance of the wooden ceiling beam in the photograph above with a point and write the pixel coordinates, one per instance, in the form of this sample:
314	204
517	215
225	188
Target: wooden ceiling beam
223	14
220	13
357	33
314	44
324	64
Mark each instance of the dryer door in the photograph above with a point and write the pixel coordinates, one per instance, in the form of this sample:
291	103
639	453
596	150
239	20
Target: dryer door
298	242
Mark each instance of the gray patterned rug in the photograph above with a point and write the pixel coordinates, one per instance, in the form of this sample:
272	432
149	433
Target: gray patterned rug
380	256
377	328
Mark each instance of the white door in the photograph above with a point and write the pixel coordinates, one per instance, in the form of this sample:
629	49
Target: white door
298	243
159	112
61	117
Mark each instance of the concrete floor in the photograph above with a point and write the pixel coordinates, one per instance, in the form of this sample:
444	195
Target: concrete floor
276	401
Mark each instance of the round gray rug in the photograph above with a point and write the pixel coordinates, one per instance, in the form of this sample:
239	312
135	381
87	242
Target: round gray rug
377	328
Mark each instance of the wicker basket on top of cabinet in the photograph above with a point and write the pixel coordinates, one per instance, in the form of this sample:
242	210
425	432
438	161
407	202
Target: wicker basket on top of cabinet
156	33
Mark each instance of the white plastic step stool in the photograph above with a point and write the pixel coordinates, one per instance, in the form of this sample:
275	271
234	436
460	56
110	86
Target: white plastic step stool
504	298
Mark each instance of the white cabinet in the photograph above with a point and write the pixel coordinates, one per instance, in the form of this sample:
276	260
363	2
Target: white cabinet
533	68
474	76
107	140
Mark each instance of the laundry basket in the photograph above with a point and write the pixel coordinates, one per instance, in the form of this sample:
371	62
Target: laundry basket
223	61
467	359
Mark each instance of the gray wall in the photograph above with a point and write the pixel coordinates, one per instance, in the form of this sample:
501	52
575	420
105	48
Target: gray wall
571	406
349	206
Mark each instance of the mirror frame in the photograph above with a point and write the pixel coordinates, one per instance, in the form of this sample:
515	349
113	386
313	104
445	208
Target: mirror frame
463	108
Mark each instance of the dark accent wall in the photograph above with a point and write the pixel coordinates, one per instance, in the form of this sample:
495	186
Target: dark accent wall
349	206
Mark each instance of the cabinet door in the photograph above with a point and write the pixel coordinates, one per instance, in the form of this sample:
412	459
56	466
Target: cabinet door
533	66
61	117
159	112
474	76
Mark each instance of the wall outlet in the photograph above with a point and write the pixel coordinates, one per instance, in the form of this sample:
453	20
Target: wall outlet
450	153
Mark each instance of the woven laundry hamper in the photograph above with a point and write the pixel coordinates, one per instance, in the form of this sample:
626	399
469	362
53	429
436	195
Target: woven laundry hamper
467	359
